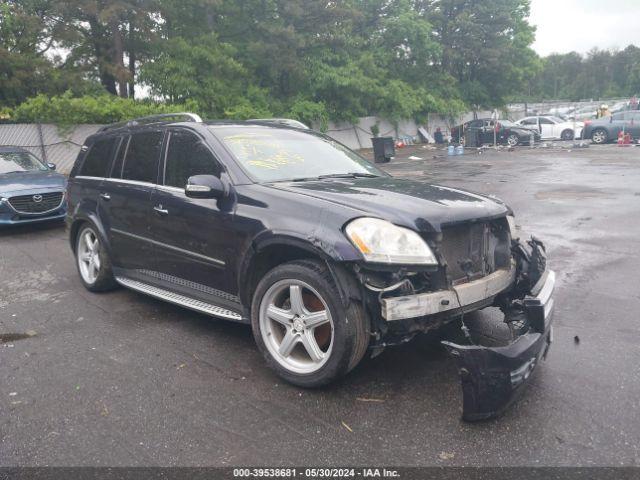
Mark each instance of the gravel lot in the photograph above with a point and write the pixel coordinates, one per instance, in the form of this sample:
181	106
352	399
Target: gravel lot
122	379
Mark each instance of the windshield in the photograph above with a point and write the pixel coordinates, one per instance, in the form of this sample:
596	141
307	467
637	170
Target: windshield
279	154
20	162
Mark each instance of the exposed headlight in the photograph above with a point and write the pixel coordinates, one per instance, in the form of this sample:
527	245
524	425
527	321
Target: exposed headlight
380	241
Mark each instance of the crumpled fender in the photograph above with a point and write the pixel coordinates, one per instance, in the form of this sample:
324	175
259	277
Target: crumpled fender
494	377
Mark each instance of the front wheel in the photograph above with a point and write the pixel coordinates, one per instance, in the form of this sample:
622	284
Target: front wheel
302	328
513	140
92	259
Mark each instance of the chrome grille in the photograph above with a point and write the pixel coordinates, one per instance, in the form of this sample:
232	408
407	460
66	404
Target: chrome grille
36	203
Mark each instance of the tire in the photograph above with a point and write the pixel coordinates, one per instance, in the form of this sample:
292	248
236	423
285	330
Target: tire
93	263
513	140
567	134
599	136
286	299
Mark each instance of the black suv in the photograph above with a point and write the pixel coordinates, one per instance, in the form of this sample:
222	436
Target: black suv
323	254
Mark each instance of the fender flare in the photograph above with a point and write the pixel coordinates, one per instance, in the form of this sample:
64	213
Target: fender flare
81	217
344	281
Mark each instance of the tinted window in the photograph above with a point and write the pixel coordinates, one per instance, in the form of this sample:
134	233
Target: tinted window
187	155
97	160
545	121
476	123
529	121
141	162
116	170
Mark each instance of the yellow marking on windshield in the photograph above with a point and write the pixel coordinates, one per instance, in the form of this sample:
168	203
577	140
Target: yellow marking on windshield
262	151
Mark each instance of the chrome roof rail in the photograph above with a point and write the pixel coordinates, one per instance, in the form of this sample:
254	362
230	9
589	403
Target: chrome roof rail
151	119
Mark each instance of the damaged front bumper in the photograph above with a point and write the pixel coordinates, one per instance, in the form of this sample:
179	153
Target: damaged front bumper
493	377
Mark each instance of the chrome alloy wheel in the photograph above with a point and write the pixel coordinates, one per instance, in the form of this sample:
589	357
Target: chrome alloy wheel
513	140
89	256
296	326
599	136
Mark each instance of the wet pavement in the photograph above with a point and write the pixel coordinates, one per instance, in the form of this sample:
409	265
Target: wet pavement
122	379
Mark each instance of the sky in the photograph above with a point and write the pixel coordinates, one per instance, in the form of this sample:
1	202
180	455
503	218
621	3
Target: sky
579	25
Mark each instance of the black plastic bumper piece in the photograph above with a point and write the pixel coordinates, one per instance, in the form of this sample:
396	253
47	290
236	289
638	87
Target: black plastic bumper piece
494	377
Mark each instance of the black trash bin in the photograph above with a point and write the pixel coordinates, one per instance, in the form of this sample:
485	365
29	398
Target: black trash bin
472	137
383	149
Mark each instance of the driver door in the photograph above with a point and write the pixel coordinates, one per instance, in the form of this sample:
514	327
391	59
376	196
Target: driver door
193	237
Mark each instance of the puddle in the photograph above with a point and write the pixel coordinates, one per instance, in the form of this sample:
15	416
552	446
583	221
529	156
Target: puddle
12	337
572	193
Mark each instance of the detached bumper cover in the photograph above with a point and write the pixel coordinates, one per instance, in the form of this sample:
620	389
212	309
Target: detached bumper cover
493	377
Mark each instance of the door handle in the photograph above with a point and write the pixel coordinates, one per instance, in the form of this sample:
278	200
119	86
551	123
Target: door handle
160	210
105	196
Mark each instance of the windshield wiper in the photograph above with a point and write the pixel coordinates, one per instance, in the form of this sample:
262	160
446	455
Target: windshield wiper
349	175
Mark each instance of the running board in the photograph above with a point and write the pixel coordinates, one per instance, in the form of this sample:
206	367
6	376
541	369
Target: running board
182	300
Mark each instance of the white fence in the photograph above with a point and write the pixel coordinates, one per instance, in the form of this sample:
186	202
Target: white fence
61	146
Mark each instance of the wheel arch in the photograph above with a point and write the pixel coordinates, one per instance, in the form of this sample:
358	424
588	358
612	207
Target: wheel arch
268	254
91	218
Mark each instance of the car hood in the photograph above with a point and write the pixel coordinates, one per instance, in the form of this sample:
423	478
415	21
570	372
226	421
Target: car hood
31	181
417	205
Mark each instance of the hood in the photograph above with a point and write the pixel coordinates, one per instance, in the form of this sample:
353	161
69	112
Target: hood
417	205
31	181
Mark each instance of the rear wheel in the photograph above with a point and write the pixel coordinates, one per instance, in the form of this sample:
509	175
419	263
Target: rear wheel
302	328
567	134
513	140
93	262
599	136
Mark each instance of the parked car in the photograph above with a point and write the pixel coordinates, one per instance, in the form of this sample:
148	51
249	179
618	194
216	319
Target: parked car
324	255
583	114
506	132
552	127
30	190
606	129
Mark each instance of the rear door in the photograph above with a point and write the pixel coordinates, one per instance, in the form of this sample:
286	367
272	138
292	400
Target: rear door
89	177
194	236
125	199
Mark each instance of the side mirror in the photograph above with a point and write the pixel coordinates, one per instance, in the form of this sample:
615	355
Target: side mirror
52	166
205	186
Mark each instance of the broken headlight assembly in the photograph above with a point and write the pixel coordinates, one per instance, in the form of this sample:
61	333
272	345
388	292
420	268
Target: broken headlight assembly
380	241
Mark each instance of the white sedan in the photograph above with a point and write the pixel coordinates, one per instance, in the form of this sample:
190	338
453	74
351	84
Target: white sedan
551	127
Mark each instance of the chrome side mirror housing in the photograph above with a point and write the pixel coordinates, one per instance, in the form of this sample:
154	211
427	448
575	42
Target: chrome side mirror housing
205	186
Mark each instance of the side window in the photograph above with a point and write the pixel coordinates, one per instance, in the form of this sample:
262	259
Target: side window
529	121
545	121
187	155
116	170
96	162
141	161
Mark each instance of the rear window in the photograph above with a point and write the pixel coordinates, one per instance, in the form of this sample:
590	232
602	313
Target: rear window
98	158
141	162
116	170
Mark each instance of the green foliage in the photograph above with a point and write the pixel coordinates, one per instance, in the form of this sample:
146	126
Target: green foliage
598	74
313	60
67	110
